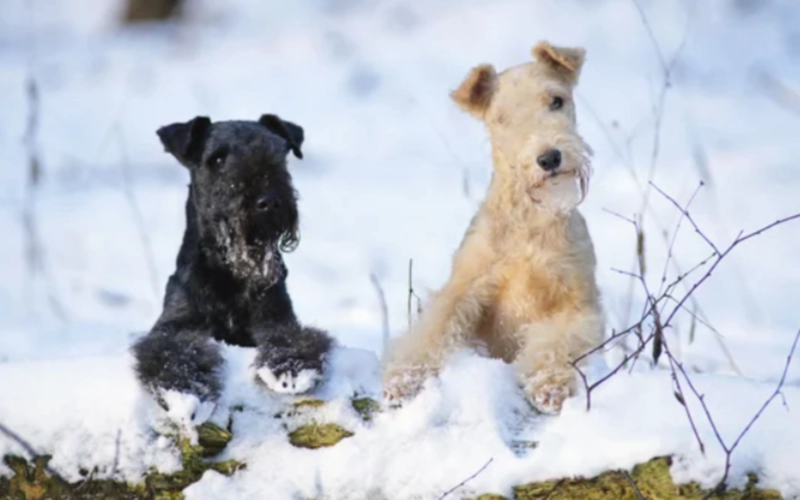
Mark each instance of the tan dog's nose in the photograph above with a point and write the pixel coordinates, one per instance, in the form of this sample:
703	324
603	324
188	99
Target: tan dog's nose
549	160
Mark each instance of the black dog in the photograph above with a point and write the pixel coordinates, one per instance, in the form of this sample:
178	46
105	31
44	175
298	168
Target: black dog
230	282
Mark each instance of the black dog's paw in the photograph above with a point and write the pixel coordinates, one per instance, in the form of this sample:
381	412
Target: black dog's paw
292	359
289	381
171	359
185	409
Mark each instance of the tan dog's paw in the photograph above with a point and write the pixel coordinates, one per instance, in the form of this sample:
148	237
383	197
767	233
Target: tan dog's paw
548	388
548	399
401	384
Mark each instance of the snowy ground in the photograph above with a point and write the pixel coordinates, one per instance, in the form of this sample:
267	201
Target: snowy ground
394	171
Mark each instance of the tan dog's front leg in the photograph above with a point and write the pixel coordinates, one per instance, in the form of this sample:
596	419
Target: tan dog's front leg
447	322
544	364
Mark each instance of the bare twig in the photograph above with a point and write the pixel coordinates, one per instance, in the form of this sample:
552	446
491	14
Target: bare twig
685	214
741	238
138	218
117	446
470	478
25	445
410	289
657	316
34	253
652	36
411	293
729	449
779	92
657	320
384	311
633	485
682	400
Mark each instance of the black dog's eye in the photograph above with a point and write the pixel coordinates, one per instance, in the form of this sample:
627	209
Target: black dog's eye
217	158
557	103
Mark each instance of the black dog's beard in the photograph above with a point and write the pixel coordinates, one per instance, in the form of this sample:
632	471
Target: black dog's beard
248	253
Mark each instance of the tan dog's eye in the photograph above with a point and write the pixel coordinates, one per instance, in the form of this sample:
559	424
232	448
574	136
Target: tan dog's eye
557	103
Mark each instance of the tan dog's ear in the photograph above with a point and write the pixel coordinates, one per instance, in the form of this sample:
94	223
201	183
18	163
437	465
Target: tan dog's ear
566	61
476	91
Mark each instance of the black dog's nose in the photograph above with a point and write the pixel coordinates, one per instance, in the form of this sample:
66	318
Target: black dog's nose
268	202
549	160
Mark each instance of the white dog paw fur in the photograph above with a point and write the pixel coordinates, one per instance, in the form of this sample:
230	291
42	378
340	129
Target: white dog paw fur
289	382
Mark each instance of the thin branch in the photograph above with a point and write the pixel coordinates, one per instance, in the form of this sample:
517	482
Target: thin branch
25	445
671	247
633	485
779	92
682	400
736	242
411	293
778	222
117	446
681	277
656	319
685	213
34	251
384	310
730	449
775	393
410	289
556	486
470	478
652	36
138	218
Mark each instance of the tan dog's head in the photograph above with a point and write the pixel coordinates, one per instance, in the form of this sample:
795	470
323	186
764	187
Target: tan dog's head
530	113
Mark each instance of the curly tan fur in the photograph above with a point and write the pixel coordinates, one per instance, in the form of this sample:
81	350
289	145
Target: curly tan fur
523	280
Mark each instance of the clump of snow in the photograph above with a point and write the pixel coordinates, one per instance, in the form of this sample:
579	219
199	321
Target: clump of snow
85	412
186	411
472	413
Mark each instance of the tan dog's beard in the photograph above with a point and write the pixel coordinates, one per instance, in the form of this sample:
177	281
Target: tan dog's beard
566	187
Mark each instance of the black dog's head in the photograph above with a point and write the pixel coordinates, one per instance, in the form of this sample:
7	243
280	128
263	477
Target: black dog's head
241	199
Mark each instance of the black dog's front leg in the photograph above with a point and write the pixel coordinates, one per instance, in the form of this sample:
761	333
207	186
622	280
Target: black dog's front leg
185	360
291	358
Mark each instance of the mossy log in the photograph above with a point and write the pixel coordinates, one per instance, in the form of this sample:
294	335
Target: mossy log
31	480
651	480
366	407
316	435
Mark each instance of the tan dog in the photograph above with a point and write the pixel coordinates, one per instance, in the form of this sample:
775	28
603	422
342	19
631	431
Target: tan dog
523	283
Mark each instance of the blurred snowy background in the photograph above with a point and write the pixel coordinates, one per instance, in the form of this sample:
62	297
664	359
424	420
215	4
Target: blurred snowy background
393	169
91	216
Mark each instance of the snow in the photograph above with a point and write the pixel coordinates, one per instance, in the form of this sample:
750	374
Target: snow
394	171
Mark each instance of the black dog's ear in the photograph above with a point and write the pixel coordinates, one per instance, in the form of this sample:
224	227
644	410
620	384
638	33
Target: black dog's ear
293	134
185	140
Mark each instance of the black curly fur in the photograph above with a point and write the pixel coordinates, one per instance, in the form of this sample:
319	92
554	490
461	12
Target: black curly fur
230	281
292	348
182	360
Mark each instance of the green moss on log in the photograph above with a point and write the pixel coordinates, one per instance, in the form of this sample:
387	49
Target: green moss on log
301	407
32	481
316	435
652	480
366	407
212	438
309	403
